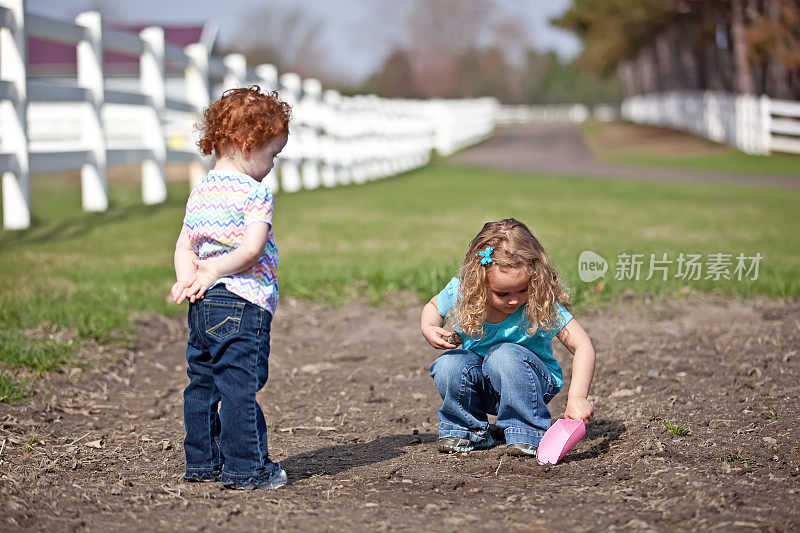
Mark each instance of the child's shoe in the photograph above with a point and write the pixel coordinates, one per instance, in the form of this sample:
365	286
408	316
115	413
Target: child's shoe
200	478
521	449
276	481
460	444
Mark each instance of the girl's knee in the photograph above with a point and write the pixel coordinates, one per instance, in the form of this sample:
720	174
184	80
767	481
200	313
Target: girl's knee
452	365
505	357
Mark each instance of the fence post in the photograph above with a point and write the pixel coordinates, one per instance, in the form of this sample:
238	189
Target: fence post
13	116
198	93
151	75
236	75
765	124
268	79
94	184
308	109
268	76
290	171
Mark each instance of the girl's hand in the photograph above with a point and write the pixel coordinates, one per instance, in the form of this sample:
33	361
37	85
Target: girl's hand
579	409
179	290
436	337
204	278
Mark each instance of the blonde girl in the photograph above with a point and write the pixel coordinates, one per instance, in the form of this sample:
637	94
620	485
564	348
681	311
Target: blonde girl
507	304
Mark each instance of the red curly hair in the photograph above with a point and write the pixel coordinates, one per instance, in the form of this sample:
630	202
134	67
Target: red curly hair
242	118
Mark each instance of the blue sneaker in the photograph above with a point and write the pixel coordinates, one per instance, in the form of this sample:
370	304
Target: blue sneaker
521	449
276	481
461	445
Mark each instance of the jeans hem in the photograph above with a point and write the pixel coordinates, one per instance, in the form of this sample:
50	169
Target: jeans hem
524	436
450	430
201	474
259	478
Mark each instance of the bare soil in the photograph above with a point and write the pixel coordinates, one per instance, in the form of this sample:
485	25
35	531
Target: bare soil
353	421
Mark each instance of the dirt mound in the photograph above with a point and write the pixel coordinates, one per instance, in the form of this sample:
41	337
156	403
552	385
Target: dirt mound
353	418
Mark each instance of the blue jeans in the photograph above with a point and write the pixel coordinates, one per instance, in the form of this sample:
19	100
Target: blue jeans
510	382
226	435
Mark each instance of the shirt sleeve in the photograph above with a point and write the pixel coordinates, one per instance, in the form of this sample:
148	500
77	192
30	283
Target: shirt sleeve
258	206
446	299
563	319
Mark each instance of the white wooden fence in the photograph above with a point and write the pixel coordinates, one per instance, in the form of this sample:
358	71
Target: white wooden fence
91	124
755	125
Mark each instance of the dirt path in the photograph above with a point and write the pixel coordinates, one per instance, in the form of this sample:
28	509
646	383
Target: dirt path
559	149
101	448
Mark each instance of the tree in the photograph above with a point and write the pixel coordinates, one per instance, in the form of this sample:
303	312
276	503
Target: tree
393	80
287	37
743	46
438	33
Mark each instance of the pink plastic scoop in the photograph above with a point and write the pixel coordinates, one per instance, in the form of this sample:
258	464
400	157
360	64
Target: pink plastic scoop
559	439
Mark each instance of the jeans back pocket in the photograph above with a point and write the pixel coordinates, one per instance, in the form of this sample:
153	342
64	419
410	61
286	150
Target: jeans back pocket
223	318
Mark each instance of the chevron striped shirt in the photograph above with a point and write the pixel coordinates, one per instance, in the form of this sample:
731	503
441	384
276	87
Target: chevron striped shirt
217	213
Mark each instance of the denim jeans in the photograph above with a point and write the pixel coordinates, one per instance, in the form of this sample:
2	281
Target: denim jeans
226	434
510	382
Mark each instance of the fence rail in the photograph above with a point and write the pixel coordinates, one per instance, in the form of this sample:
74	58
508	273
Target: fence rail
95	121
753	124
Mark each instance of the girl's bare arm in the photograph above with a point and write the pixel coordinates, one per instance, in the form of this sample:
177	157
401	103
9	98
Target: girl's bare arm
184	266
577	341
431	325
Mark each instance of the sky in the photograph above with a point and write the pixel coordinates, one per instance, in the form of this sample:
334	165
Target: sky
355	45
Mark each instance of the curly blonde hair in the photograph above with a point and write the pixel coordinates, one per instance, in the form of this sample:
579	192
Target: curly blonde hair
514	247
243	117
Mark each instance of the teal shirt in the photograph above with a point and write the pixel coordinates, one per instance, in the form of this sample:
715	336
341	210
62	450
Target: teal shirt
513	329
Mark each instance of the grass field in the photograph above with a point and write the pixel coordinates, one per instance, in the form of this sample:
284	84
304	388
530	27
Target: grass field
76	277
630	144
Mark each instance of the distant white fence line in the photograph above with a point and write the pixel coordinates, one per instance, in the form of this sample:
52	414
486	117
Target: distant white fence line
93	123
753	124
575	113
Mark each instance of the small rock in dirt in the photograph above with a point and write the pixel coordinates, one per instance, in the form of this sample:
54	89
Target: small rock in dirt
431	507
770	440
637	524
457	484
652	373
316	368
621	393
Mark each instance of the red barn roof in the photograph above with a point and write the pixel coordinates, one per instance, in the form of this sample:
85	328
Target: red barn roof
47	58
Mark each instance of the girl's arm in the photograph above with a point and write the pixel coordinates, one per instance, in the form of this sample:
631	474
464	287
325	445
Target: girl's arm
431	325
184	268
243	257
577	341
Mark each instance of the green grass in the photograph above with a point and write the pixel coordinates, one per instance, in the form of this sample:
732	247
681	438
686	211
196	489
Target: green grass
679	429
655	147
739	457
78	276
10	389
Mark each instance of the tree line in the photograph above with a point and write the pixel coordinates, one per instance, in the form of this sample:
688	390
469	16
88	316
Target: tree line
738	46
445	49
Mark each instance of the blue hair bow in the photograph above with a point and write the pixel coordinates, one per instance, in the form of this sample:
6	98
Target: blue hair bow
485	255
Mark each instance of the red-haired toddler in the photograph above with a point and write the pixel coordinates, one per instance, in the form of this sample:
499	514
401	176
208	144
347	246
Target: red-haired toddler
225	264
